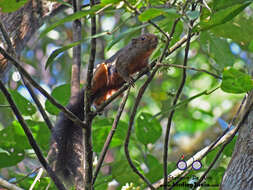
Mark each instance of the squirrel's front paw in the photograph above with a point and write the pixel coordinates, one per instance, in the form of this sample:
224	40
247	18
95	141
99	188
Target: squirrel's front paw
130	81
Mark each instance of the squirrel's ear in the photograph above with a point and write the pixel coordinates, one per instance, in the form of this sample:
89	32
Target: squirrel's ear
134	40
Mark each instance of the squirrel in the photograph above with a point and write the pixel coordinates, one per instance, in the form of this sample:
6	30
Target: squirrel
109	76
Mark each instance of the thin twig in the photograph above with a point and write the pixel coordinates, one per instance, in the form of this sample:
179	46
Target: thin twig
198	156
16	63
27	175
30	138
5	106
110	136
166	139
190	68
8	185
39	174
185	101
38	104
88	157
138	99
130	125
222	148
149	21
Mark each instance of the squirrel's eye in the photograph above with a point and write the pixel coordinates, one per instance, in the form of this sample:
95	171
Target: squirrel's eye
143	38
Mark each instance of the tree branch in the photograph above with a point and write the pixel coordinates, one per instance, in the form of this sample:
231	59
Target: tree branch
166	139
190	68
88	158
202	153
226	143
138	99
110	136
149	21
4	183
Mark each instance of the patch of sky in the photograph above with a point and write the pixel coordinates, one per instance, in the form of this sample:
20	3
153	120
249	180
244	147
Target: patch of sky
30	54
51	48
243	55
85	2
235	48
25	93
108	23
68	24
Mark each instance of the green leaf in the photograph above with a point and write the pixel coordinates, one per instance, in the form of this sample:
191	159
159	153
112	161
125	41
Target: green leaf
14	141
4	151
235	81
218	49
222	16
166	24
100	130
155	168
64	3
150	14
148	128
7	6
251	46
154	12
122	172
70	18
41	133
106	2
56	52
229	149
239	25
192	15
123	34
210	156
25	106
223	4
62	95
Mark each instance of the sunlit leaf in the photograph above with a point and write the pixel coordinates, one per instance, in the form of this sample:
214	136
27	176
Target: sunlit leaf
71	45
123	35
148	128
7	6
154	12
239	25
235	81
150	14
222	16
62	95
24	105
101	129
70	18
192	14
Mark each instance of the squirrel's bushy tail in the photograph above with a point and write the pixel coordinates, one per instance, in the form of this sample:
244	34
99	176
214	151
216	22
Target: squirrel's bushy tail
67	145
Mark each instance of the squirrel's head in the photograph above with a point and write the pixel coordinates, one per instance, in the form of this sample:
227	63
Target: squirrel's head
145	42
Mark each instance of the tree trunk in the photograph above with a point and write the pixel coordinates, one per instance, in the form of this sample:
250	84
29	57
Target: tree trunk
239	174
23	23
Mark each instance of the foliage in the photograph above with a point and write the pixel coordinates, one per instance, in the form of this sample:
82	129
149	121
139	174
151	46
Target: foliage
223	46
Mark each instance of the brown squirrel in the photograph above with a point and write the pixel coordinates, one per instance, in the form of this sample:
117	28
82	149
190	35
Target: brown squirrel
108	77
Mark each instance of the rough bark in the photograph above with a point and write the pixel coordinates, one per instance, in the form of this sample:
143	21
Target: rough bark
23	23
239	174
